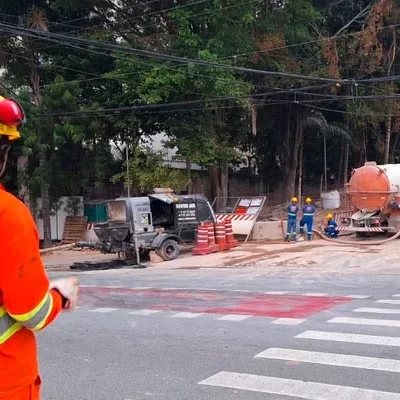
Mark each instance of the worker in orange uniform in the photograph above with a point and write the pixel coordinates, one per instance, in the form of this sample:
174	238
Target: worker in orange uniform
28	301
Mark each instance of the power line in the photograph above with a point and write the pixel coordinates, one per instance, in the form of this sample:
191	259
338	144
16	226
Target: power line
350	112
153	106
240	54
137	18
304	43
316	87
98	77
345	98
162	111
380	79
205	109
152	54
65	40
148	107
181	103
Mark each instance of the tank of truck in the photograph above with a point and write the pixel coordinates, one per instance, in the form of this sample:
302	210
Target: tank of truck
371	186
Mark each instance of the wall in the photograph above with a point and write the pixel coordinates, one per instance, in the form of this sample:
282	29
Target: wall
243	185
58	217
239	185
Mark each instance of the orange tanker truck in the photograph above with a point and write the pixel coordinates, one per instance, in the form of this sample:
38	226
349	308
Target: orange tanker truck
374	193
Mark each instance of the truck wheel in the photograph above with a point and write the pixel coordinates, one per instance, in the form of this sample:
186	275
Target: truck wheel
169	250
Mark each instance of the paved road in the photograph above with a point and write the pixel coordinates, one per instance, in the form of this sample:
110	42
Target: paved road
223	335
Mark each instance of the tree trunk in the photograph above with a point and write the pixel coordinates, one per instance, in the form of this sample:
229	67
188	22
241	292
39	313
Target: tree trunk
290	183
223	179
44	190
346	163
387	137
46	206
391	60
325	166
292	159
301	167
341	162
393	147
189	186
219	187
23	191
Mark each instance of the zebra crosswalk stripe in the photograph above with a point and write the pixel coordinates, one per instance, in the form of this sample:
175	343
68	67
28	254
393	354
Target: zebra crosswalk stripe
187	315
341	360
294	388
373	310
365	321
350	338
103	310
390	301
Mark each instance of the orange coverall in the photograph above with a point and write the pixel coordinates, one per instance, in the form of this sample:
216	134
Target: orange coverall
26	304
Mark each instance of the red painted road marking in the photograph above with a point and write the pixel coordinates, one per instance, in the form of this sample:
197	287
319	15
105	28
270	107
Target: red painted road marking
216	302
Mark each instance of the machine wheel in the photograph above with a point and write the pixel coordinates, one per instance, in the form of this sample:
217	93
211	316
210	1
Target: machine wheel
169	250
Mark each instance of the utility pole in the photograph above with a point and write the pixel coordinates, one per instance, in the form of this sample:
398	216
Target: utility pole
325	165
127	171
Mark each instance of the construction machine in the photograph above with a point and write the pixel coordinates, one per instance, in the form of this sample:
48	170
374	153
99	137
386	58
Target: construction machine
159	221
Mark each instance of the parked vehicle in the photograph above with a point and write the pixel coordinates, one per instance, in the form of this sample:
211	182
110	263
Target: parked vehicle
159	221
374	193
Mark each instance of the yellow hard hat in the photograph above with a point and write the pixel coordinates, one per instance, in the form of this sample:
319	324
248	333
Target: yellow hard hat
294	200
308	200
329	216
12	116
10	131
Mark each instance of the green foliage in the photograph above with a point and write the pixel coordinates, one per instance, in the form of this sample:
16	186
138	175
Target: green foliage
72	153
147	170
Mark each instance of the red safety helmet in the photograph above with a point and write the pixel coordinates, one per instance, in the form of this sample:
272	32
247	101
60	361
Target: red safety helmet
12	116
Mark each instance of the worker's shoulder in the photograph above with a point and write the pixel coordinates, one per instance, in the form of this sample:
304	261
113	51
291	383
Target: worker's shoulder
12	210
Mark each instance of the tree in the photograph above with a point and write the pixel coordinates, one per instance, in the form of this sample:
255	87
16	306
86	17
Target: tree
207	135
351	39
148	170
316	124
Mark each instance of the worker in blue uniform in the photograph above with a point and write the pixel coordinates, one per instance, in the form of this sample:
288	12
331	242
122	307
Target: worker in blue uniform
331	229
292	210
308	218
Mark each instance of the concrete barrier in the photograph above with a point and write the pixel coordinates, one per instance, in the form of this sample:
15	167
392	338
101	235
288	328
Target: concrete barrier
266	230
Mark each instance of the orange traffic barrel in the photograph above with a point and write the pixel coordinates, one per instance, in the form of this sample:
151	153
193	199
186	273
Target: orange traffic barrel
230	238
202	247
220	236
211	237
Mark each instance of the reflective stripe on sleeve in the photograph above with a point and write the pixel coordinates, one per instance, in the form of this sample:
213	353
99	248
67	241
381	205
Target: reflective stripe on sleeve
36	318
8	326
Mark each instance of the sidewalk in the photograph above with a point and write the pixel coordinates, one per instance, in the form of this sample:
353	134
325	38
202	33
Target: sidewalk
63	259
317	255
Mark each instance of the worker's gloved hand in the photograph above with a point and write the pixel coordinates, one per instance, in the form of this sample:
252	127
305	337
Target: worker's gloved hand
68	289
